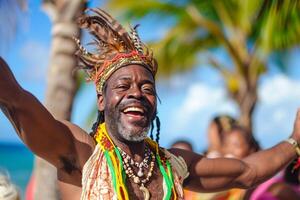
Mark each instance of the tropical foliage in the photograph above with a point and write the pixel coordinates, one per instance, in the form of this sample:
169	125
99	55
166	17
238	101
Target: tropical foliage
247	30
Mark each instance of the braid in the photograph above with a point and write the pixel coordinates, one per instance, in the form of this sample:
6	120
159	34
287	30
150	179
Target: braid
157	129
151	130
100	120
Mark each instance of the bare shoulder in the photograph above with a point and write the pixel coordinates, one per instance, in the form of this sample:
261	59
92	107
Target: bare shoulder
78	133
69	172
83	142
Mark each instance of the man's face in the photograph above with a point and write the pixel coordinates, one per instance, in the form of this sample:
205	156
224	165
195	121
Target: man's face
129	103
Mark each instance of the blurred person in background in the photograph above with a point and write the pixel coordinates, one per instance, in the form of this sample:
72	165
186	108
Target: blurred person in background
234	142
239	143
182	144
285	185
217	129
8	191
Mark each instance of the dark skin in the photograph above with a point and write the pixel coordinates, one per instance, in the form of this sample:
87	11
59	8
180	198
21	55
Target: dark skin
68	147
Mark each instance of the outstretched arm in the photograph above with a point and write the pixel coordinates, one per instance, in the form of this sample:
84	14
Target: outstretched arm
47	137
223	173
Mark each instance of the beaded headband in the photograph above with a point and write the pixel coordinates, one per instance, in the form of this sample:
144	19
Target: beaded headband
115	48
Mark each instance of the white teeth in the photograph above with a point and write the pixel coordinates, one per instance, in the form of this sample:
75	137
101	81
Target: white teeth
134	109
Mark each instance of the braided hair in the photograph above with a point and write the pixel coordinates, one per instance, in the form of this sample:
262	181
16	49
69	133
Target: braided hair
100	120
151	130
224	124
157	129
157	136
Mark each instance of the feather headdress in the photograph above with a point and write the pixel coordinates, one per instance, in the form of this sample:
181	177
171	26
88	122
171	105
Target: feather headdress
115	48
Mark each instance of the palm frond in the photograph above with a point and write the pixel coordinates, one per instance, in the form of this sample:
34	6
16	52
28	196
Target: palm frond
243	24
138	9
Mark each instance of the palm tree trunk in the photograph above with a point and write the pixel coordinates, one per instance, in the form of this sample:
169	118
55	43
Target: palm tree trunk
61	81
246	112
246	100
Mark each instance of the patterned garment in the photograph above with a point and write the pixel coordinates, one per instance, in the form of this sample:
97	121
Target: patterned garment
97	180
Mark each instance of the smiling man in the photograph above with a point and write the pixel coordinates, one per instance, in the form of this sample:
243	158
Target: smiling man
133	112
118	160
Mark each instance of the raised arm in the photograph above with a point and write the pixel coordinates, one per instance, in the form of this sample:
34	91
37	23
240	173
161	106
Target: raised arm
47	137
224	173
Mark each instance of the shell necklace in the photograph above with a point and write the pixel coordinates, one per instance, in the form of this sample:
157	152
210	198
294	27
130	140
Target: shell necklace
139	178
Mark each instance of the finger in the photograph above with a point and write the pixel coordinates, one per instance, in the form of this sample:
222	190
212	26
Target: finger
4	66
297	121
2	62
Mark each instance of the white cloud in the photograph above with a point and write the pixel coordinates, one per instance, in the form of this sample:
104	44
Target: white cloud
202	98
279	98
279	88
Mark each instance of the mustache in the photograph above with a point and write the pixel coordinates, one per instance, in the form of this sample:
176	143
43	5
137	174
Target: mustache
144	103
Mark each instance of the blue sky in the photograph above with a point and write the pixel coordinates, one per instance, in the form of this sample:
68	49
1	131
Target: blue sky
189	100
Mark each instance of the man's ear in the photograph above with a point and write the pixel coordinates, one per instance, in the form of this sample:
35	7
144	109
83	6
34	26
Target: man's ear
100	102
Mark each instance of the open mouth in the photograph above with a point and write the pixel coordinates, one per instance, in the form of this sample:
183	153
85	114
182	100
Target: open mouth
134	111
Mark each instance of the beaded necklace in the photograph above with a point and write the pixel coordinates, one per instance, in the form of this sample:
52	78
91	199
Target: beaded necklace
128	163
116	168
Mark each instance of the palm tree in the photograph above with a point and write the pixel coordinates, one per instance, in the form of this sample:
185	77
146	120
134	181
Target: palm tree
61	80
247	30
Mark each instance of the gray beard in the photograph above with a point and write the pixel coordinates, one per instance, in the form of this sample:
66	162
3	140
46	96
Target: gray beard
122	132
131	136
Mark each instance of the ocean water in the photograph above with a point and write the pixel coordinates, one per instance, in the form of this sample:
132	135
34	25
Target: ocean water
17	161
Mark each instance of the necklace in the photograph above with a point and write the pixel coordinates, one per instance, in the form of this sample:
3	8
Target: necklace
144	164
117	170
128	163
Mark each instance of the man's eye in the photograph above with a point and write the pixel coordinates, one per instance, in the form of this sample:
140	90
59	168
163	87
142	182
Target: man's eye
122	86
148	90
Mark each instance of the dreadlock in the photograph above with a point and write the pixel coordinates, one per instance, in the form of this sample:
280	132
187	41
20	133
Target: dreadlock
100	120
151	130
157	129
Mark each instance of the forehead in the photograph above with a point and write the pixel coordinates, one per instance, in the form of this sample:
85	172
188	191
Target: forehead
133	72
236	135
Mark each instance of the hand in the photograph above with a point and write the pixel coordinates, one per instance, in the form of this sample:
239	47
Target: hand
9	87
296	131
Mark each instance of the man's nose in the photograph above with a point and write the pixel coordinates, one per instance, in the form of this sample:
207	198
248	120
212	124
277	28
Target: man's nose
135	92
